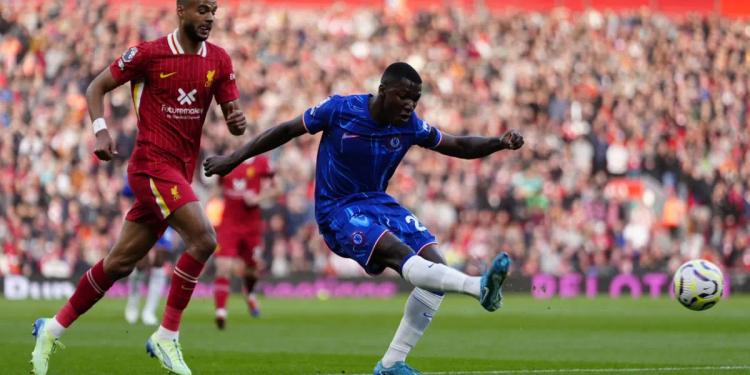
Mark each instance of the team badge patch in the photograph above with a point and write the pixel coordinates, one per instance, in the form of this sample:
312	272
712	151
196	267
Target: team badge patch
129	54
358	238
395	142
210	77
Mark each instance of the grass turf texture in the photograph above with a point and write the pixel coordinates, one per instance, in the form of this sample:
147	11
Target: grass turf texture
347	336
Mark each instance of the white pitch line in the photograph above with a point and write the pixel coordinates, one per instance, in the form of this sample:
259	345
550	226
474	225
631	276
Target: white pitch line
581	370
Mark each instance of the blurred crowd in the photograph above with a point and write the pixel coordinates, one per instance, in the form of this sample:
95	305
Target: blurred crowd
637	152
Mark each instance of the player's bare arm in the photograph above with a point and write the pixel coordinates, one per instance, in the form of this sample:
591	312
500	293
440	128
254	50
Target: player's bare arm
473	147
234	117
102	84
266	141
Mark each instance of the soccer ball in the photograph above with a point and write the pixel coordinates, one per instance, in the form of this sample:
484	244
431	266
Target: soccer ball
698	284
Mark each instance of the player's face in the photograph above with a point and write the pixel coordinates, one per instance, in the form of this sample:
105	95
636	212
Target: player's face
197	18
400	100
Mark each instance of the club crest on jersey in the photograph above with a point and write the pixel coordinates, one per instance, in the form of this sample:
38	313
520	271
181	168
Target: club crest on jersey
358	238
250	172
175	193
210	77
395	143
129	54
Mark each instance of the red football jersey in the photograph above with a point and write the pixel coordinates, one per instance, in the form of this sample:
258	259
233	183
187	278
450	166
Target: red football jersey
171	93
245	178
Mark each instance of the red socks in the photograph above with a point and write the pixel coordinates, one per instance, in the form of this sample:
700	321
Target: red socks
185	277
221	292
91	287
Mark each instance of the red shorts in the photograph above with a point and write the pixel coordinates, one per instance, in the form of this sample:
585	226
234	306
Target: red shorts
238	244
158	197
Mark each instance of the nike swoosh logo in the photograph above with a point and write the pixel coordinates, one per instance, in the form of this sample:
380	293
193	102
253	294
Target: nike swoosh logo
430	266
165	75
427	315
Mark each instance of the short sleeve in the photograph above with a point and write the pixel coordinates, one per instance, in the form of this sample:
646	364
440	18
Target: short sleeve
131	65
226	89
427	136
319	117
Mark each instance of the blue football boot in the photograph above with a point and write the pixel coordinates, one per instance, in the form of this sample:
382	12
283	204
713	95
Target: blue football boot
491	293
398	368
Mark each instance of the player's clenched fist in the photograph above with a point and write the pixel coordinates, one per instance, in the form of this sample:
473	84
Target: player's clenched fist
512	140
105	147
220	165
236	122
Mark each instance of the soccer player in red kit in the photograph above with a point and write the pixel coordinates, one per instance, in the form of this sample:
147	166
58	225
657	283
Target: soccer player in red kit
173	81
240	232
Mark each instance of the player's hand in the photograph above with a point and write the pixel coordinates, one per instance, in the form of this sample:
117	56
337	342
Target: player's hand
236	122
105	146
219	164
511	140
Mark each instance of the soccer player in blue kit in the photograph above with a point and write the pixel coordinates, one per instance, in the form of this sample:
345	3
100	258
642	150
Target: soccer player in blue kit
364	139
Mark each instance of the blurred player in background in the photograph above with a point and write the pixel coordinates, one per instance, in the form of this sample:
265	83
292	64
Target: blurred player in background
240	233
157	276
157	279
365	137
173	81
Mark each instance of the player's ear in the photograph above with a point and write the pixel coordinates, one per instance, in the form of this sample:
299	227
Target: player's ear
180	8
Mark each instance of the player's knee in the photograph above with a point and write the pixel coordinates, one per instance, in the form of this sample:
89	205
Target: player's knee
205	244
117	268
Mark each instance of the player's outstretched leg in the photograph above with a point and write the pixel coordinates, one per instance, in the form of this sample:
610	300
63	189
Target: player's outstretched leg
92	286
439	277
133	243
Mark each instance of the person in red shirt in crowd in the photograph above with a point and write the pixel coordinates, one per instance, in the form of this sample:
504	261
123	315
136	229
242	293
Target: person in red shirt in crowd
240	233
173	81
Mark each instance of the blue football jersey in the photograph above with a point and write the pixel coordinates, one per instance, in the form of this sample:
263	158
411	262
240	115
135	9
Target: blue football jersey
357	156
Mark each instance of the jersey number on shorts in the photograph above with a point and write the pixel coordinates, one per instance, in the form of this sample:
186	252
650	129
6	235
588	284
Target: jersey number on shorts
411	219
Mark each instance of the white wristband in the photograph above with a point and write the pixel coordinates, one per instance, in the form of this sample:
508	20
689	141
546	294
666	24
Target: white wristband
99	125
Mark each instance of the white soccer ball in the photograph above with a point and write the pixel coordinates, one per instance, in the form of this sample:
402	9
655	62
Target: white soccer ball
698	284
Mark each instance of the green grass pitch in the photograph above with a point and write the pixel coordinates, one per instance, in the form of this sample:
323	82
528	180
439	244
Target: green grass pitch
347	336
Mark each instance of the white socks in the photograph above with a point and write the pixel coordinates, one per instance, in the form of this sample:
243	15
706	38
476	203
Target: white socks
156	282
54	327
438	277
420	308
165	334
134	293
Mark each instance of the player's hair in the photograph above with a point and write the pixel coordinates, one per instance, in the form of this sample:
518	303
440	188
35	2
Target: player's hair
182	3
397	71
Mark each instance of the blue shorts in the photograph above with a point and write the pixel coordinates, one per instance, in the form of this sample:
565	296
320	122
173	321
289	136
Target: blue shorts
354	230
166	241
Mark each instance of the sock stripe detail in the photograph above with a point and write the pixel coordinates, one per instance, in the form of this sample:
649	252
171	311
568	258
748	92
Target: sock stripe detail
183	275
93	283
